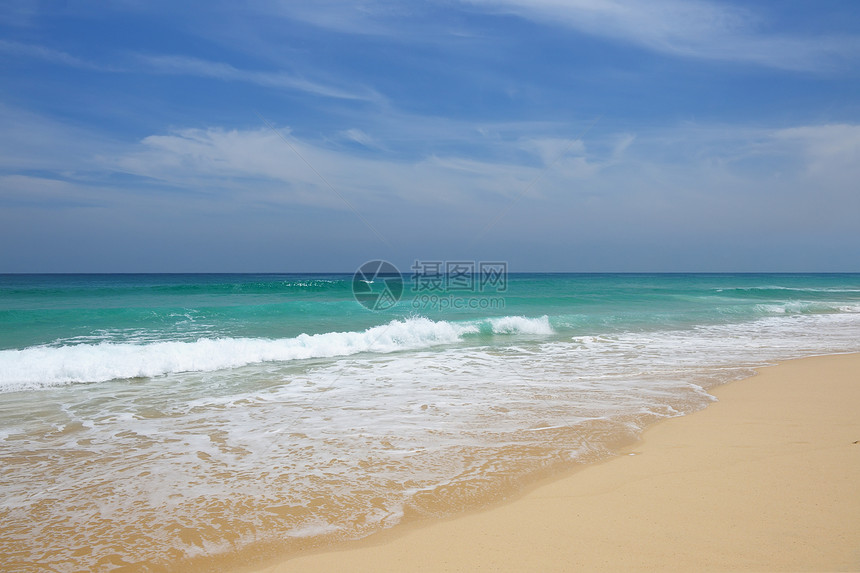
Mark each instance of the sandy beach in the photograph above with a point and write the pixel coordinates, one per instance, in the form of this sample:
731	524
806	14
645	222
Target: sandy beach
765	479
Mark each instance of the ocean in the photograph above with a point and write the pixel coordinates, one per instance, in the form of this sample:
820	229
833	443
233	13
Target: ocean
175	422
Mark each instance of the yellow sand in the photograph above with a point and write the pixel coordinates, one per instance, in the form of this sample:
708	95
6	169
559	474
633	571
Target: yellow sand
768	478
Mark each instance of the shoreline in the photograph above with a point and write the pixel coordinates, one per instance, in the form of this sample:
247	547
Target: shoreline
763	479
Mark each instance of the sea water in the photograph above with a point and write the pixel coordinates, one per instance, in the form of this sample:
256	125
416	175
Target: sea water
182	421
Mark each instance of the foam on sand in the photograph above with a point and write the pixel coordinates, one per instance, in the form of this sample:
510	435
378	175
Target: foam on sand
723	489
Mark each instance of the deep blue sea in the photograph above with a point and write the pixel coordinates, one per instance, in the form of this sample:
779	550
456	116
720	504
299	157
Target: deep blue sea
162	420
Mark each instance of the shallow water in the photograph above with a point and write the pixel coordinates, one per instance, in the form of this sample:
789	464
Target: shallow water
157	419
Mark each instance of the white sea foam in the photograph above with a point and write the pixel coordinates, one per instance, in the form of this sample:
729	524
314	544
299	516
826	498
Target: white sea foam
43	366
797	307
369	435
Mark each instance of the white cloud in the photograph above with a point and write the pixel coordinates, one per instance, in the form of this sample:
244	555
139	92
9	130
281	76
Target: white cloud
257	162
832	148
360	137
689	28
726	161
691	185
550	149
688	176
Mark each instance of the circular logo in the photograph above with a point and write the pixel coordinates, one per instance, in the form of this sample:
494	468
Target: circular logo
377	285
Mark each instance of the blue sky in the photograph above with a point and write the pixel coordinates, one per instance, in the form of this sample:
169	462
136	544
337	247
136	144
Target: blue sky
557	135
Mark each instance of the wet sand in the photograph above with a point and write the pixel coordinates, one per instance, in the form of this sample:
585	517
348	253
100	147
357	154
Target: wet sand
766	479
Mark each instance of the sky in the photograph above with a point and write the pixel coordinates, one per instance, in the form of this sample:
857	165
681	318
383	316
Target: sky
554	135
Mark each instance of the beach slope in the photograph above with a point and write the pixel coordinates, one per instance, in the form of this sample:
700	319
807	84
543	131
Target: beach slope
766	479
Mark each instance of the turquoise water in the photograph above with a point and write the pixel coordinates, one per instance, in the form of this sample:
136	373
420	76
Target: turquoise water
62	311
252	413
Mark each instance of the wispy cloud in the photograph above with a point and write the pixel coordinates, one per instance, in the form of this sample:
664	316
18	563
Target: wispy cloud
215	158
33	141
826	146
20	49
50	193
456	163
219	159
360	137
702	29
688	28
702	181
184	65
368	17
190	66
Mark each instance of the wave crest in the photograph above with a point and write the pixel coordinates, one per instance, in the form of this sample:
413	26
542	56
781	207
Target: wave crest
44	366
520	325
